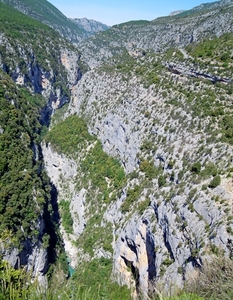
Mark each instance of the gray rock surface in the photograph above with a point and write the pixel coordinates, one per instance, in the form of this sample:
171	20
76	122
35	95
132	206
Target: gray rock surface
176	233
62	172
90	26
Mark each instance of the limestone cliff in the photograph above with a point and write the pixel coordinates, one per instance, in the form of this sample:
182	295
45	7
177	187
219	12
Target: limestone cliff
43	68
140	158
90	26
169	218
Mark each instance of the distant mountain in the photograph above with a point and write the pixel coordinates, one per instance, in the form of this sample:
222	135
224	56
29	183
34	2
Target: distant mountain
48	14
90	26
202	22
173	13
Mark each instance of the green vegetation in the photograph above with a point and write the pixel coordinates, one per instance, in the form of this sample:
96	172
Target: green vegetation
131	197
149	169
98	166
161	180
215	181
45	12
188	296
20	29
227	127
137	22
196	167
13	282
24	189
69	136
100	174
93	236
215	280
210	170
67	220
30	38
218	49
95	275
89	282
142	206
24	184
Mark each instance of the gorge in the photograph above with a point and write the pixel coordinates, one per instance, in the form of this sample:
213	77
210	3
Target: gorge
116	148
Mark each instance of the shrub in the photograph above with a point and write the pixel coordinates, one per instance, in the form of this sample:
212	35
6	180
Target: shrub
196	167
142	206
210	170
215	182
149	169
161	180
67	220
132	196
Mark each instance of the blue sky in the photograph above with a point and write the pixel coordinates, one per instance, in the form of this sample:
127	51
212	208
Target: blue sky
115	12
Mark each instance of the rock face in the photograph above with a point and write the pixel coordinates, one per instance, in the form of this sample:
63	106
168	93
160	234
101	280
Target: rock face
61	171
47	66
54	84
183	220
90	26
34	256
75	30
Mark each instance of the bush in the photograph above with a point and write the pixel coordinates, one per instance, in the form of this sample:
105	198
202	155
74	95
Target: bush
67	220
90	281
215	182
149	169
210	170
196	167
142	206
161	180
132	196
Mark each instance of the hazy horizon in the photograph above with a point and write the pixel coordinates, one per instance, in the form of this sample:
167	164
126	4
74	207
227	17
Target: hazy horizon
115	12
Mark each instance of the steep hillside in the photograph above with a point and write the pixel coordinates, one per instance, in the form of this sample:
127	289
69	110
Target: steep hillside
38	69
45	12
24	185
36	57
166	116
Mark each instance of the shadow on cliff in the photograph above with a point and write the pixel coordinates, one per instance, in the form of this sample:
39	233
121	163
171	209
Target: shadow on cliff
150	246
52	220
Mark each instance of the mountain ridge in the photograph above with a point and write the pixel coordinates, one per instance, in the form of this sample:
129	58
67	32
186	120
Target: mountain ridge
160	34
90	26
48	14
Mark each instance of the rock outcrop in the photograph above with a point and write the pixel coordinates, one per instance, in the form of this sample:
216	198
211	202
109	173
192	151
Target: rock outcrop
62	172
90	26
